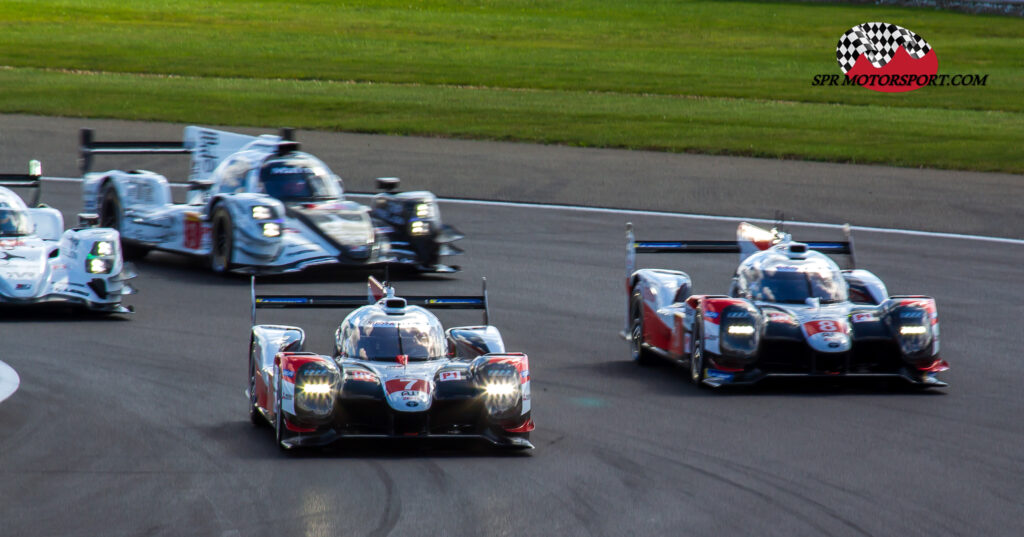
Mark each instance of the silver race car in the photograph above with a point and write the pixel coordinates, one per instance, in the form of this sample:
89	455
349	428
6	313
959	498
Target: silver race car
259	204
394	373
790	312
40	262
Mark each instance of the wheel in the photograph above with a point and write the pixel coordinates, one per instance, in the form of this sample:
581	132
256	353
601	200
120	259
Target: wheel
278	416
697	355
112	216
223	241
636	331
254	415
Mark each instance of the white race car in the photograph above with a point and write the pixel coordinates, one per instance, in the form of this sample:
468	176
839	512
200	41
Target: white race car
41	262
258	204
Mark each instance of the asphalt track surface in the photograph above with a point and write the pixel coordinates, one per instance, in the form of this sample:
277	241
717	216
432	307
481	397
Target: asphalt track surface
138	427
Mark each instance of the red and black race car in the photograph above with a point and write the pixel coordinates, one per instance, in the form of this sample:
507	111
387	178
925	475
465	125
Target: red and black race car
395	372
791	311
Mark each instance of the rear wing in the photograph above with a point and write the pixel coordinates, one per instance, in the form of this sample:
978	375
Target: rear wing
27	180
375	292
755	239
208	147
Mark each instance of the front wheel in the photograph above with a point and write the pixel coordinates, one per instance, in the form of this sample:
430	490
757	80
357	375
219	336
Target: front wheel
223	241
112	216
636	331
697	355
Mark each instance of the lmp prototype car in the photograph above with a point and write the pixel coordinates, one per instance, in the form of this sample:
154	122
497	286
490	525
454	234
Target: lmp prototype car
40	262
258	204
395	372
791	311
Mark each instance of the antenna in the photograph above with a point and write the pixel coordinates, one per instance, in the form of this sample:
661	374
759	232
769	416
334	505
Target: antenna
252	297
487	308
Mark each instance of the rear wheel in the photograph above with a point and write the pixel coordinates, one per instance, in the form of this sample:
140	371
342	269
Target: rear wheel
636	331
222	241
112	216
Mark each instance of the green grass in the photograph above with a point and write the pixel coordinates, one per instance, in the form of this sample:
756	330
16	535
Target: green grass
717	77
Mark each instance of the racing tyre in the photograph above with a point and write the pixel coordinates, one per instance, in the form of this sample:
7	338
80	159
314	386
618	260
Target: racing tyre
254	415
636	331
222	244
697	356
112	216
278	417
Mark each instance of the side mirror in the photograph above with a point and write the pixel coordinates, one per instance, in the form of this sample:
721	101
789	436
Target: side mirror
88	220
387	184
197	191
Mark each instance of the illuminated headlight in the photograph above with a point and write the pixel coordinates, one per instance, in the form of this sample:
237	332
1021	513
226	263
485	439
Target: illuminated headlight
271	229
262	212
103	248
913	330
97	266
419	227
425	210
740	330
316	388
501	389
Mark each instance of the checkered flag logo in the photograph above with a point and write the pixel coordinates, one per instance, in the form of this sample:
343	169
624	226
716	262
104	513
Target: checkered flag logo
879	40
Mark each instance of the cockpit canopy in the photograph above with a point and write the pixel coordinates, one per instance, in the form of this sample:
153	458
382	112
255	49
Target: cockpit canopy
780	279
372	334
298	177
14	218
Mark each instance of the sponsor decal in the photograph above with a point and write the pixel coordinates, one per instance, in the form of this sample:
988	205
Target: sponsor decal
363	376
863	317
289	373
816	327
194	231
912	314
7	244
406	385
779	317
716	374
711	314
412	404
737	314
23	286
450	375
889	58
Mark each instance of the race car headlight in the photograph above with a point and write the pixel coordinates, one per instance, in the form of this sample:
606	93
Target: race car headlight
262	212
316	384
97	265
501	389
103	248
419	227
740	330
739	333
316	388
271	229
913	330
424	210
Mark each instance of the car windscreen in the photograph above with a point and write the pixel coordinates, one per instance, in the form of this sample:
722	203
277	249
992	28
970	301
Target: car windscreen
795	287
298	179
385	341
14	223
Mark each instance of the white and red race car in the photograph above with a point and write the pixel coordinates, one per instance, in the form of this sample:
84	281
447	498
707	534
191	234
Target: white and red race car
394	373
791	311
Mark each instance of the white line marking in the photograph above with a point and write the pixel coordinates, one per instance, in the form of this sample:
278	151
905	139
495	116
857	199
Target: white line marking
638	212
9	381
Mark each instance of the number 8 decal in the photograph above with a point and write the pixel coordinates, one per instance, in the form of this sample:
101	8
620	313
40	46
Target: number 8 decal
828	326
